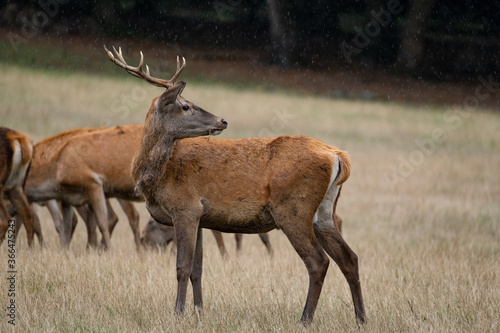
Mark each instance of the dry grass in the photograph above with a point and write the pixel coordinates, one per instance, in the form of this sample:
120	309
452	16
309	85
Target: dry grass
429	245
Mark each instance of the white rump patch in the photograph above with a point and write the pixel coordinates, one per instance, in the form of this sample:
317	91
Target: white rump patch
18	170
325	209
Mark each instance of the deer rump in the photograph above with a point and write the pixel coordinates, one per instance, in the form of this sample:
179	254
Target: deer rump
236	183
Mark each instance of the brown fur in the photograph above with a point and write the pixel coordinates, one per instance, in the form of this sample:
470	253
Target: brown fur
85	168
46	154
13	172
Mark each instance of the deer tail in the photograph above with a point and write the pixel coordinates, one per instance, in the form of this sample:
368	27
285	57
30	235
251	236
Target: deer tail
344	166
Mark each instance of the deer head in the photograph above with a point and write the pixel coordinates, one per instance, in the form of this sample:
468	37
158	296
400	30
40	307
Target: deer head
170	114
173	114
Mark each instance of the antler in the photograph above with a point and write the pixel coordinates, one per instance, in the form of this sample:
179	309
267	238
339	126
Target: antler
138	72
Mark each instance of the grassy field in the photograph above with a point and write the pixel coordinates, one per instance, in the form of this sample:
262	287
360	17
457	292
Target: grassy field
421	210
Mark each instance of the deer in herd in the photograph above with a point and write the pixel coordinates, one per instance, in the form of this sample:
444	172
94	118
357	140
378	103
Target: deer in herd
251	185
16	150
159	235
85	166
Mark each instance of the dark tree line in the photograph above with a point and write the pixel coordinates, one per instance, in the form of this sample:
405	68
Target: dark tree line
438	38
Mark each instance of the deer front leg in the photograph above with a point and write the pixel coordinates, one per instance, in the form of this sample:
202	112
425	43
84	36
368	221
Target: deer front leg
186	234
196	273
4	218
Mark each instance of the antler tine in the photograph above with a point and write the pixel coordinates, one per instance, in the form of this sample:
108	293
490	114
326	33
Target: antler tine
121	61
179	69
139	72
140	62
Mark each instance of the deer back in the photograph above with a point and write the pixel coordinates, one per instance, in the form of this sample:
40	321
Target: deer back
236	181
72	158
46	152
104	156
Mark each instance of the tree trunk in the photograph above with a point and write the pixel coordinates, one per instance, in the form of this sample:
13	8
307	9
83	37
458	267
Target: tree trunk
413	33
281	32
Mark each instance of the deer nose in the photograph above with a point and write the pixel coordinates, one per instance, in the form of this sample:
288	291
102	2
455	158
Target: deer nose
224	123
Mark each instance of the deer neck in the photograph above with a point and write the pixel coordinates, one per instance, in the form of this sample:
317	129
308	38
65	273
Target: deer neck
151	161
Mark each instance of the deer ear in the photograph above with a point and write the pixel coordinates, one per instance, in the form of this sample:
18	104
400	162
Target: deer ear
170	95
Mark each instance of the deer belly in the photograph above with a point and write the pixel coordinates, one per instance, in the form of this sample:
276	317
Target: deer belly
238	218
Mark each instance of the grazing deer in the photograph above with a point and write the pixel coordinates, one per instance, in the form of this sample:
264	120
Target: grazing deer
82	168
16	150
157	234
252	185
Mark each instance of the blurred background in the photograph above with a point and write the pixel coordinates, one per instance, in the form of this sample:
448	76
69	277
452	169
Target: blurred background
416	51
411	89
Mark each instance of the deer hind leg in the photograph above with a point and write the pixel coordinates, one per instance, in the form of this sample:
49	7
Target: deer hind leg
23	209
112	218
332	242
239	240
66	225
300	233
133	220
55	213
267	243
220	243
4	218
88	216
338	223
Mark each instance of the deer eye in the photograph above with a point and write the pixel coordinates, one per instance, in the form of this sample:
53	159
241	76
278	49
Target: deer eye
185	107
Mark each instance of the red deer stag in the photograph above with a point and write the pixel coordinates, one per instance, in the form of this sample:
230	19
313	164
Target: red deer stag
16	150
85	168
241	186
